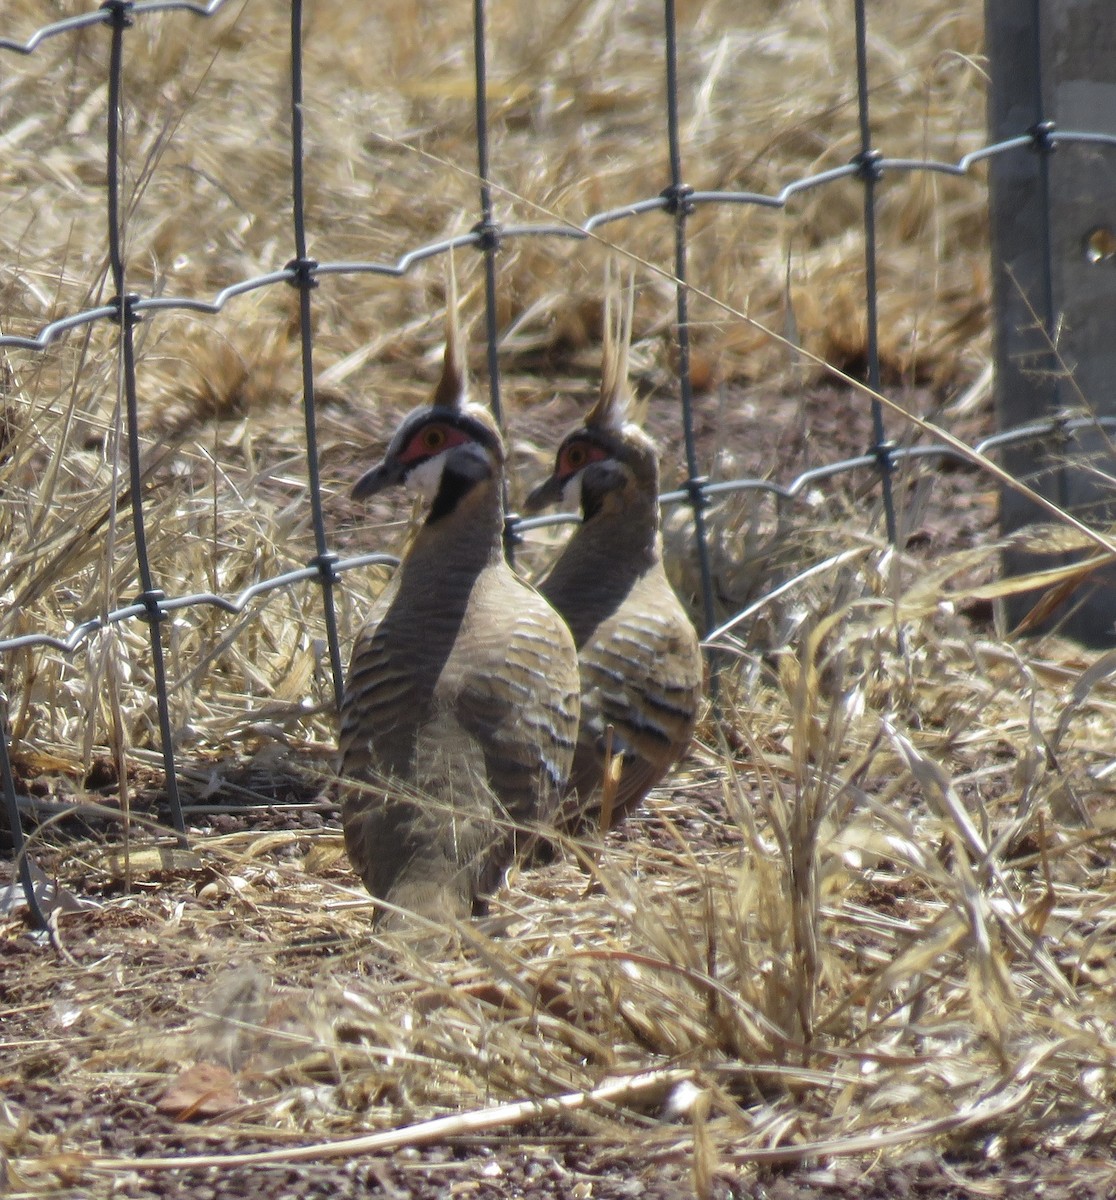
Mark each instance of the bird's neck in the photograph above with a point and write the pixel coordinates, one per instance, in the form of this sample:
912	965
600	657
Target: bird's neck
456	545
625	526
600	564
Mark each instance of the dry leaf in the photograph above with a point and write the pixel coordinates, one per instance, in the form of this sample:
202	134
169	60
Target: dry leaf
203	1090
151	860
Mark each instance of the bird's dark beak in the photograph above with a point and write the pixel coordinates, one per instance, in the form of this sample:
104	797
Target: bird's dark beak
548	492
383	475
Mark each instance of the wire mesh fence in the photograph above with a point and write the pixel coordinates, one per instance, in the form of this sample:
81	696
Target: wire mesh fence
117	19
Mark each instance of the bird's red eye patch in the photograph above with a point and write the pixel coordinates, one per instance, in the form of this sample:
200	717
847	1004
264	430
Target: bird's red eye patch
576	456
431	440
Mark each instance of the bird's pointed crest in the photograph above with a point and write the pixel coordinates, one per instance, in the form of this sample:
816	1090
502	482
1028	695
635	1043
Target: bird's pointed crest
613	408
450	392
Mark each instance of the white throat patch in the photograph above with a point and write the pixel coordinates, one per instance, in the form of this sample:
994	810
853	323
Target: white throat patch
571	493
425	479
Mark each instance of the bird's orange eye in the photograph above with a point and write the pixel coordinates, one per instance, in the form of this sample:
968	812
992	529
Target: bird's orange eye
430	440
576	456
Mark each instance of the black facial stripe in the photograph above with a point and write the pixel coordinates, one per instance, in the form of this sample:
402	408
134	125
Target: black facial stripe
597	481
590	504
466	466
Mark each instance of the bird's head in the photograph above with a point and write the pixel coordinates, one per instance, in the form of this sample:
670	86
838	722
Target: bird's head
439	453
443	449
599	470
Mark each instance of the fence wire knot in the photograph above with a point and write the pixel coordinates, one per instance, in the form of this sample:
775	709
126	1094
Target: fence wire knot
695	492
121	11
1060	432
326	566
883	452
303	270
1042	137
869	165
124	313
677	198
487	233
152	603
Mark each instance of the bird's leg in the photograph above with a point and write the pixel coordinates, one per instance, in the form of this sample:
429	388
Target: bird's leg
613	768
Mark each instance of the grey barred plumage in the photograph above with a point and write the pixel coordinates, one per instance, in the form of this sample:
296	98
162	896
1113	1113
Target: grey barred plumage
460	711
638	652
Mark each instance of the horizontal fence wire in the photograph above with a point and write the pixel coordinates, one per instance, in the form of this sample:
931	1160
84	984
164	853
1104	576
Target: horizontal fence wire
796	489
679	201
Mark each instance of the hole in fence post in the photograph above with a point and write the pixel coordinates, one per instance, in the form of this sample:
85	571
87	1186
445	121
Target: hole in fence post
1100	246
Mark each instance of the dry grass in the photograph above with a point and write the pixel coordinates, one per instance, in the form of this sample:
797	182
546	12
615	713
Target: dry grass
874	910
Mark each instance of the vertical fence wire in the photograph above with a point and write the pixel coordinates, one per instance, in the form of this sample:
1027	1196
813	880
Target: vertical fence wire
15	825
869	162
304	268
149	596
680	208
1042	133
486	229
488	241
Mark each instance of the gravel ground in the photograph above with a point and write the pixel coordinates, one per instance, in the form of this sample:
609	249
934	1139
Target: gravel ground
544	1162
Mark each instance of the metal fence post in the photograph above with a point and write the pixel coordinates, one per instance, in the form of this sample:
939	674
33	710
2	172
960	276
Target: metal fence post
1053	209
